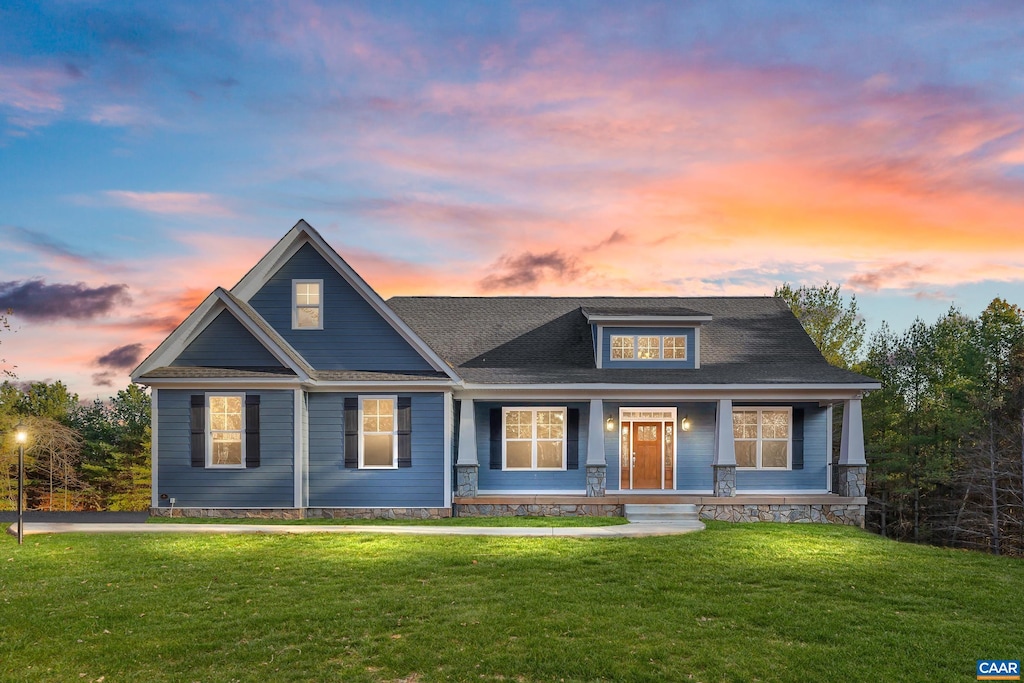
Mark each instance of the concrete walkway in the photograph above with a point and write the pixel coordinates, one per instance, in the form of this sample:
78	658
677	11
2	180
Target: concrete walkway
631	530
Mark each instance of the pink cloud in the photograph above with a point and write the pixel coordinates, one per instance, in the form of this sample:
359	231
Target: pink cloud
171	203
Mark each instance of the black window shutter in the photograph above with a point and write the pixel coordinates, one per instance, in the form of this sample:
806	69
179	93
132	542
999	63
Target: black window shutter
798	438
252	430
495	438
198	426
352	432
405	431
572	450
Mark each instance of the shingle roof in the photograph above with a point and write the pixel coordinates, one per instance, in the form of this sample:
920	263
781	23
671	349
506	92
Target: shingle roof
642	311
178	372
190	372
545	340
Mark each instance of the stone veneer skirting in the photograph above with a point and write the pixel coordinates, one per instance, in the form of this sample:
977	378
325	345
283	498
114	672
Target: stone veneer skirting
850	515
536	510
304	513
826	509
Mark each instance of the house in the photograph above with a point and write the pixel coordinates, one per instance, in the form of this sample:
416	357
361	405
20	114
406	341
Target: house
300	392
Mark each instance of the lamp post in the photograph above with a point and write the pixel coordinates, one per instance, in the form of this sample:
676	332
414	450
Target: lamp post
20	435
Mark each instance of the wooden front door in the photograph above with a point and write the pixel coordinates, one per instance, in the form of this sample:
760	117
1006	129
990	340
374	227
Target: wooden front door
647	451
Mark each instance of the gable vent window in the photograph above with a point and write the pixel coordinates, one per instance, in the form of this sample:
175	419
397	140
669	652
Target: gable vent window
307	304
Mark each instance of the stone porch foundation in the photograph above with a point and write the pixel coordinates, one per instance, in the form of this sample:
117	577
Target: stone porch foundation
304	513
824	508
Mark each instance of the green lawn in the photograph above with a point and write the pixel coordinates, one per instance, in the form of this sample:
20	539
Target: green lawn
449	521
734	603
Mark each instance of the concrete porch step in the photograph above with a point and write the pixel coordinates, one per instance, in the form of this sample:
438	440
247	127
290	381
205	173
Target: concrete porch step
661	513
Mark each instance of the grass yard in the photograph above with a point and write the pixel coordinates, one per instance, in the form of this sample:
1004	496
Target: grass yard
449	521
733	603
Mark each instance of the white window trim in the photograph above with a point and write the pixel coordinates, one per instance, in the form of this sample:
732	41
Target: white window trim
789	439
636	348
296	306
394	432
209	431
533	440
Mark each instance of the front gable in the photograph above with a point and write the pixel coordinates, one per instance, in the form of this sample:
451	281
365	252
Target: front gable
226	343
353	335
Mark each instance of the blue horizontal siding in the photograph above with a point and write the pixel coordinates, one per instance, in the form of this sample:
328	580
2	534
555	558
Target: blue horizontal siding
501	480
814	475
606	347
354	335
269	485
226	343
695	449
331	484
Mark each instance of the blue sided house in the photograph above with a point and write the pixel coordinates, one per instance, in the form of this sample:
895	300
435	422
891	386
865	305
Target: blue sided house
302	393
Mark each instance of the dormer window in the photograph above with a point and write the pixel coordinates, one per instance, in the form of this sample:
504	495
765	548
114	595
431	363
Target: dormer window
307	304
648	347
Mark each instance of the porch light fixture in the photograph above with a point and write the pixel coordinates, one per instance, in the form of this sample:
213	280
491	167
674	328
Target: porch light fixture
21	436
684	424
609	424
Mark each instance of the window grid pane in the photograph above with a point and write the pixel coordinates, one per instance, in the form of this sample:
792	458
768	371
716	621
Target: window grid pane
648	348
225	430
534	438
622	348
378	432
762	438
675	347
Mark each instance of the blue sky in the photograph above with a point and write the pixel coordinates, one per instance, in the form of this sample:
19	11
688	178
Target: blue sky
152	151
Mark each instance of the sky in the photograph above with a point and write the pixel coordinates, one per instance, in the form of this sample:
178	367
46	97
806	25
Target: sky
150	152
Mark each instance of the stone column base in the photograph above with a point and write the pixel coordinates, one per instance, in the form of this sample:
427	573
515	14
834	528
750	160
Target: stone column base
596	480
466	480
850	480
725	480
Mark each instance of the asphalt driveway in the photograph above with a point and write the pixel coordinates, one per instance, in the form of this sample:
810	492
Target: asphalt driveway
77	517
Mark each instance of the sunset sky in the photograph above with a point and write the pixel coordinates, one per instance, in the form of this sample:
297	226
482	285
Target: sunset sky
152	151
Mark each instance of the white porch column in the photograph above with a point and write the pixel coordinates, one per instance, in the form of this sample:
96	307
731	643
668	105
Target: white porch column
467	468
467	434
597	465
851	448
850	476
595	434
725	451
725	446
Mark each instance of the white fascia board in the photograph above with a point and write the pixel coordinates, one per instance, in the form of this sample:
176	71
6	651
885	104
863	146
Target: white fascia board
304	233
670	320
709	392
180	338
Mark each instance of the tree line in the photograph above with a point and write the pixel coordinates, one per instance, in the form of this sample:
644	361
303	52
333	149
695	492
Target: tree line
944	434
78	456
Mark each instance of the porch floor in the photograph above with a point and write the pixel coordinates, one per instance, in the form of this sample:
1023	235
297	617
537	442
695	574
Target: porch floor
662	499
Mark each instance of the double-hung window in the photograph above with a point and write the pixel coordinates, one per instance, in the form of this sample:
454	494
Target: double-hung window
378	434
534	438
763	437
307	304
226	445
